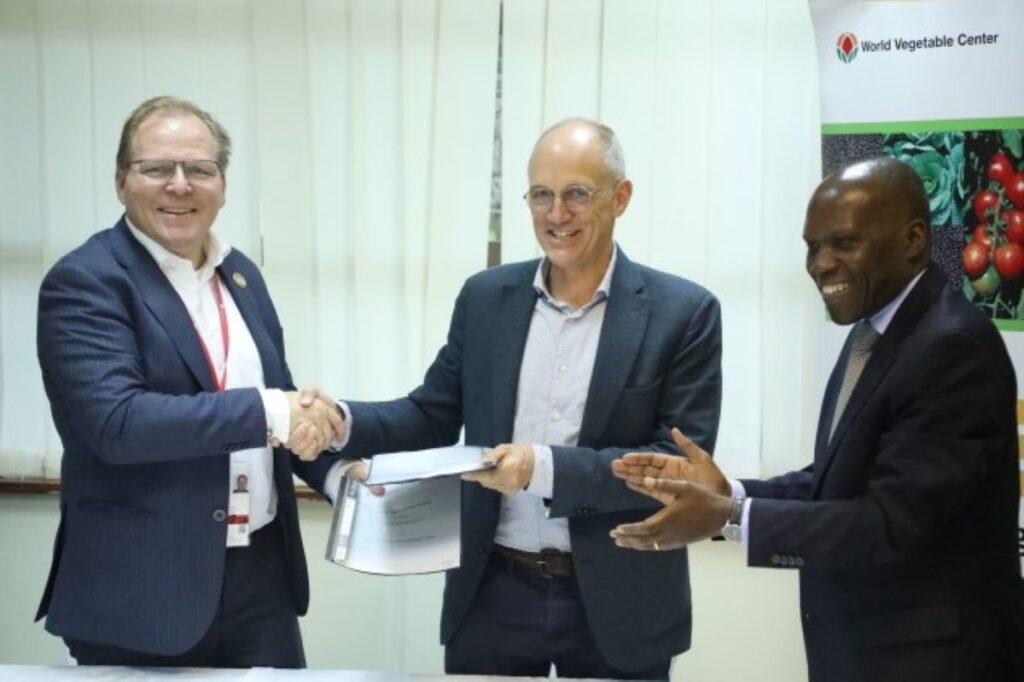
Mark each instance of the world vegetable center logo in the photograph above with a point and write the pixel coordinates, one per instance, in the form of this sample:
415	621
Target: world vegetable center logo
847	47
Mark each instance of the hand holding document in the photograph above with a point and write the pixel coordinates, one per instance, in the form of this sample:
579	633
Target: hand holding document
415	527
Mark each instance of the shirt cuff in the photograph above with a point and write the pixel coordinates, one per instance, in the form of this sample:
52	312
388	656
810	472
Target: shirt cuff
335	476
542	483
737	491
275	405
339	445
745	524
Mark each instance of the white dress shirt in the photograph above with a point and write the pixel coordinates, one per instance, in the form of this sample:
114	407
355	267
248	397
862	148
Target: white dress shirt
244	368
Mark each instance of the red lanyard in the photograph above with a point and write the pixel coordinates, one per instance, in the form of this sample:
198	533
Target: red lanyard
221	381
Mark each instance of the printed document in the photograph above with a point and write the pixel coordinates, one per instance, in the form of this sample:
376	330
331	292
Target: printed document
413	528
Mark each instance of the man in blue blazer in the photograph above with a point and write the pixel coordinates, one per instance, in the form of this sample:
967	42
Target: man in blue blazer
560	365
904	529
163	360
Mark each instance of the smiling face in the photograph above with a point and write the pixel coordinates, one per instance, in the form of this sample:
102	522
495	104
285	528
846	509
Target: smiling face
864	241
578	244
177	213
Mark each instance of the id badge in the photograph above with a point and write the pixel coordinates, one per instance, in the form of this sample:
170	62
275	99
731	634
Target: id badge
239	505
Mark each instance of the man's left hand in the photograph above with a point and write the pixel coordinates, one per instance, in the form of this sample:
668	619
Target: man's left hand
694	513
513	470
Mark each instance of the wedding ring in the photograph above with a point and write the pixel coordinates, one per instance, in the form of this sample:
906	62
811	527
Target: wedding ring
657	547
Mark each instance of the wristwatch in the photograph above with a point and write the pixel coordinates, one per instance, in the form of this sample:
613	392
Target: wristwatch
733	528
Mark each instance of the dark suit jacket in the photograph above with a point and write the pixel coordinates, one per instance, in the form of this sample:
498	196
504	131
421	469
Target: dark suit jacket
139	554
657	366
905	527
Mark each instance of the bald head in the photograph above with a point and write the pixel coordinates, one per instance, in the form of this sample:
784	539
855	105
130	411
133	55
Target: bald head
585	135
890	189
868	235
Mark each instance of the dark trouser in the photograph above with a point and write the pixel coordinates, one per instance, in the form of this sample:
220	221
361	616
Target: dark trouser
522	622
255	624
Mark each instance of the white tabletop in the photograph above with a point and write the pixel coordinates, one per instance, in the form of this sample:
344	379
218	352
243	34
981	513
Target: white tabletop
62	673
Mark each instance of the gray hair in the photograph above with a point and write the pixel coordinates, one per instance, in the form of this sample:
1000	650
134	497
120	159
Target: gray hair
165	106
614	161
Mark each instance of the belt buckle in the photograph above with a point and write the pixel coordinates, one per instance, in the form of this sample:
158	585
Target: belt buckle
552	564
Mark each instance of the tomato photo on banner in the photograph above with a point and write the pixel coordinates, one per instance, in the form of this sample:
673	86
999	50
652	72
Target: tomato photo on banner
927	83
974	181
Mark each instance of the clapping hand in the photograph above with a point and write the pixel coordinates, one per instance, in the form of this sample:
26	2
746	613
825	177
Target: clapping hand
693	489
640	469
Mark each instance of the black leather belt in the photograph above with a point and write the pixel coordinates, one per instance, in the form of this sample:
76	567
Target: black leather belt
548	562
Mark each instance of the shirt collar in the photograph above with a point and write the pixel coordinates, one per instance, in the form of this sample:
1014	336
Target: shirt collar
216	251
602	292
881	320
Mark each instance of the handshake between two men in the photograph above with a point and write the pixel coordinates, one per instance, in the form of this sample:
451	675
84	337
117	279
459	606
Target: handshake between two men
315	421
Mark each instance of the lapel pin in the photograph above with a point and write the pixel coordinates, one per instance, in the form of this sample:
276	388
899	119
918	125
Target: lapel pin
239	279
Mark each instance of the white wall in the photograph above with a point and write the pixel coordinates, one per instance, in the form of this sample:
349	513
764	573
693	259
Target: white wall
746	621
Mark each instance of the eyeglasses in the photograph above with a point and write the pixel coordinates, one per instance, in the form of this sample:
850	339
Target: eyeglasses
162	170
576	198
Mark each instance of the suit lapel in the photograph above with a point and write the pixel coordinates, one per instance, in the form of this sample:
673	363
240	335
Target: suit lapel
162	300
882	358
249	308
623	330
514	312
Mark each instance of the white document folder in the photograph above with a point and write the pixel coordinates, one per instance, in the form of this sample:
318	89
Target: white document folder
416	465
413	528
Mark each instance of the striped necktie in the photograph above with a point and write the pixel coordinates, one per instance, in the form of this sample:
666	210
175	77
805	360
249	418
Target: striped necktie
862	339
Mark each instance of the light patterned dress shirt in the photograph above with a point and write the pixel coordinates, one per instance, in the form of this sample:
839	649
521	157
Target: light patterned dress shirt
554	381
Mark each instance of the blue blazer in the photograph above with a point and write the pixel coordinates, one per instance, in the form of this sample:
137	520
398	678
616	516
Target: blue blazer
657	366
905	527
139	553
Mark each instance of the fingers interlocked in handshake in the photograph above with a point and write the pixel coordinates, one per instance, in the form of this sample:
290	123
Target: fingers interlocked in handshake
316	421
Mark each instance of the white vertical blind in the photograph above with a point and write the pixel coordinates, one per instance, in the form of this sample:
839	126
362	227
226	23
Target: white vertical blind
360	180
715	102
362	137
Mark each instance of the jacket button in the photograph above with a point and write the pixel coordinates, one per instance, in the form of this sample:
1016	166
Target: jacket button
219	515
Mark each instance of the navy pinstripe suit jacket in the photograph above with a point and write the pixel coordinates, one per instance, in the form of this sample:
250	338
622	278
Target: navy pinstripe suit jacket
139	554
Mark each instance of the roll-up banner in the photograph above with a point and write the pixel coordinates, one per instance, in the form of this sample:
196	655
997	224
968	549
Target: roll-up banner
939	84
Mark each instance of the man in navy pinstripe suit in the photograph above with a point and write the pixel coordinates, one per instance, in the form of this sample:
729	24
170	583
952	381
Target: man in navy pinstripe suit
163	360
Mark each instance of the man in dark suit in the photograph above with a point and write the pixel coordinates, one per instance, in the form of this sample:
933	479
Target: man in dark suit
561	364
163	360
904	528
